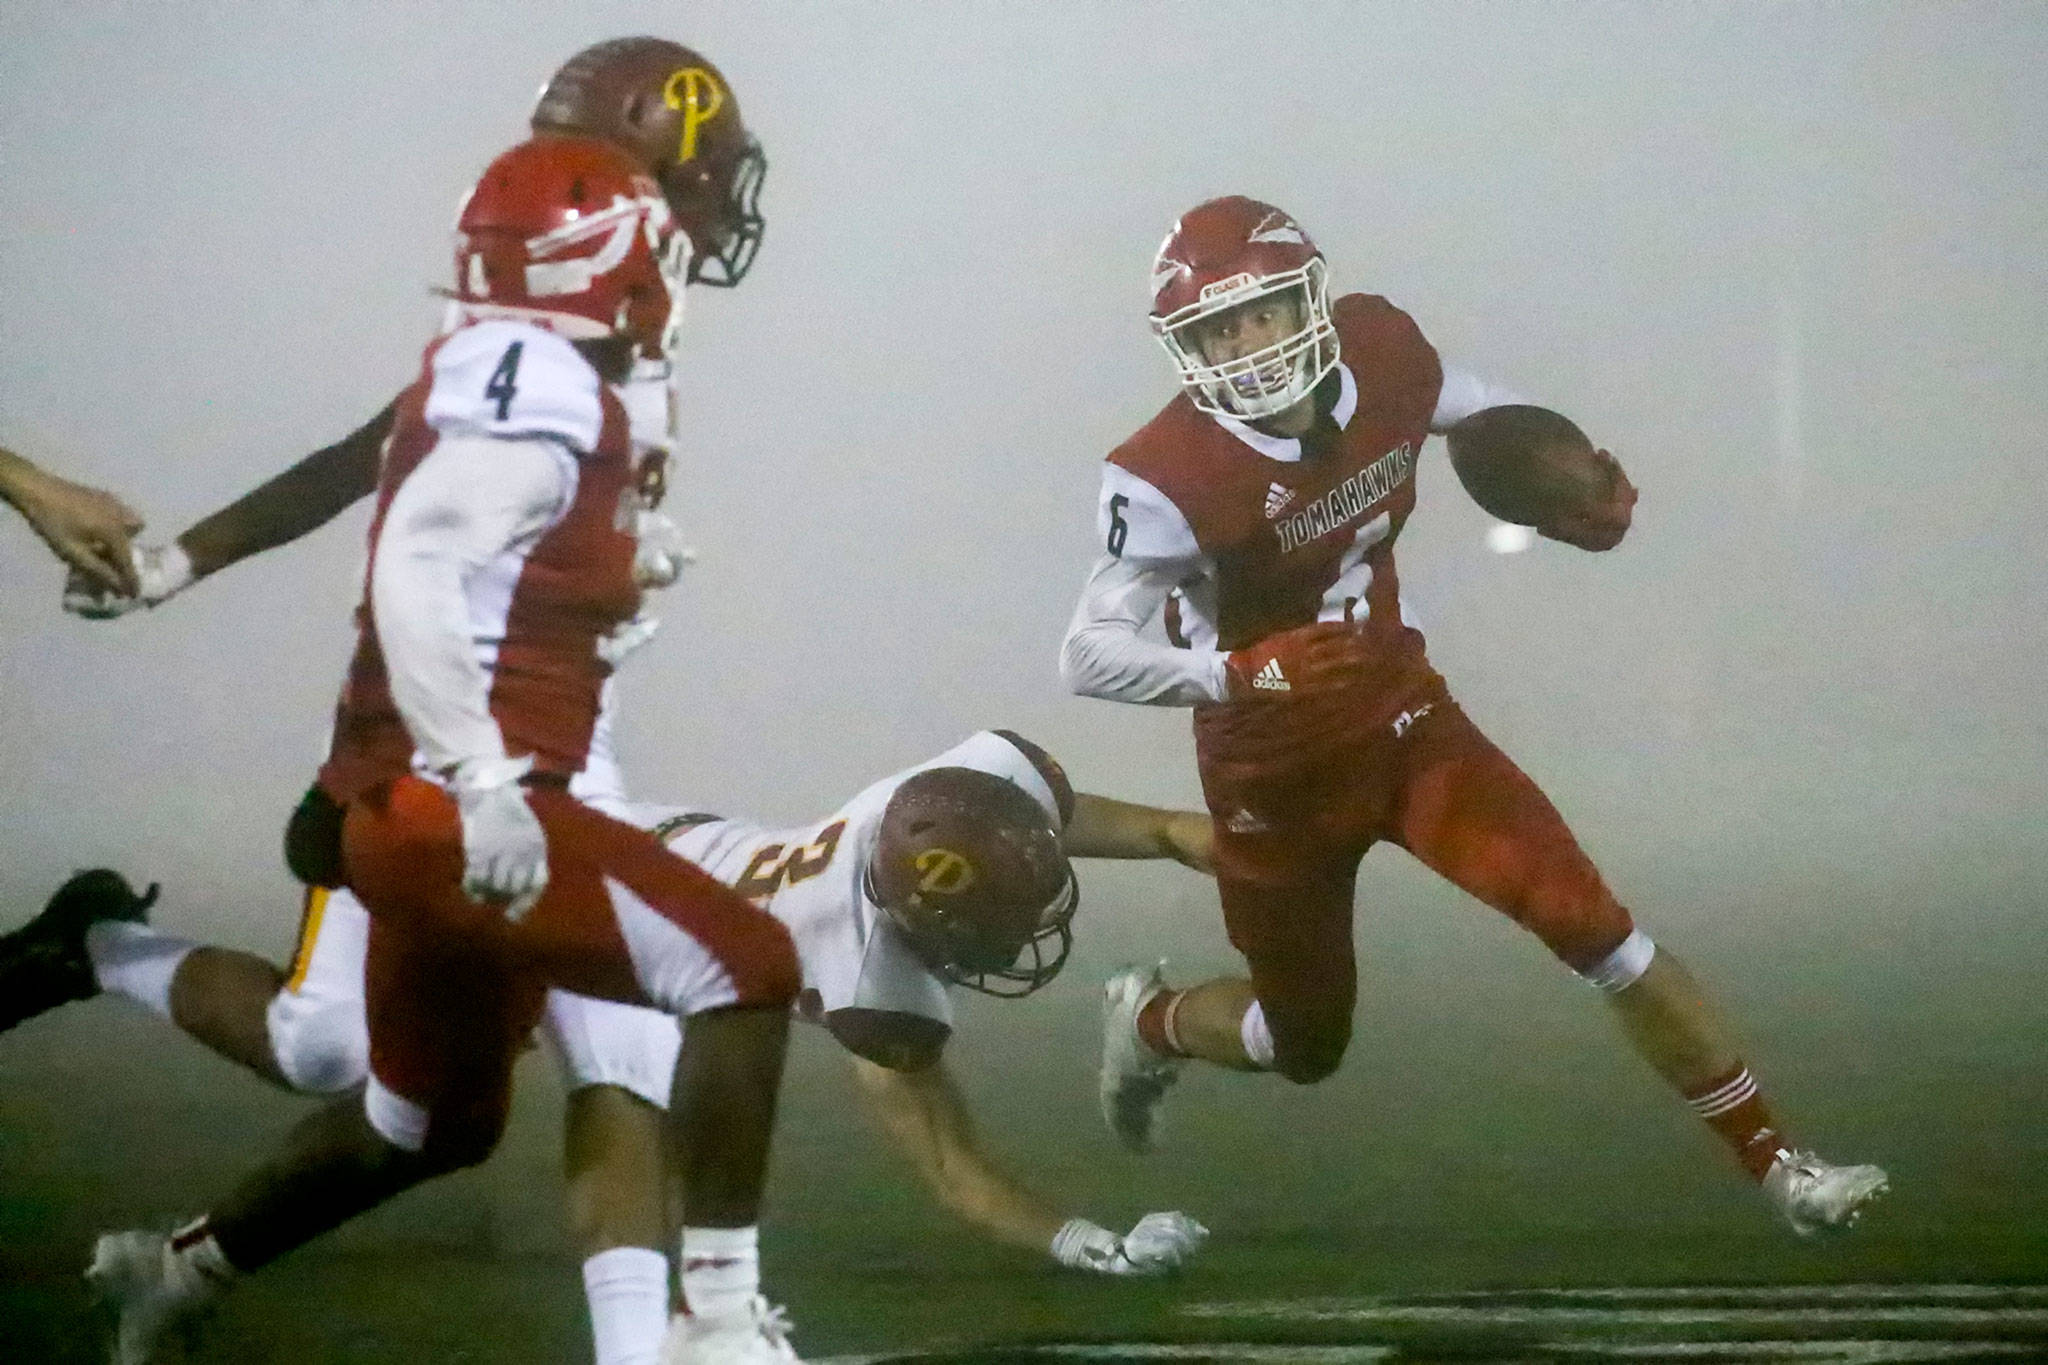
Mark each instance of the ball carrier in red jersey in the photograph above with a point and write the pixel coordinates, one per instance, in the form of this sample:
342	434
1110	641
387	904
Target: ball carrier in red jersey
501	558
1258	513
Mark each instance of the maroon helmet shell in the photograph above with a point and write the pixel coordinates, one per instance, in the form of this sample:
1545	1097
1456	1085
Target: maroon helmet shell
1225	254
969	869
674	111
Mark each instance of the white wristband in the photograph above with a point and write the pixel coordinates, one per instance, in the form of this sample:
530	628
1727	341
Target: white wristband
1082	1245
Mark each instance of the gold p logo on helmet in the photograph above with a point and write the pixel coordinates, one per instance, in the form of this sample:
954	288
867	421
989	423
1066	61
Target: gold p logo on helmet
942	872
697	95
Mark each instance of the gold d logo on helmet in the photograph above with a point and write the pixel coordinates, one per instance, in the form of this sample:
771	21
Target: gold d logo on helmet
697	95
942	872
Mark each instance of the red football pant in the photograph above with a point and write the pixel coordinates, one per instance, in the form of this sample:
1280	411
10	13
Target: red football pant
1290	834
453	989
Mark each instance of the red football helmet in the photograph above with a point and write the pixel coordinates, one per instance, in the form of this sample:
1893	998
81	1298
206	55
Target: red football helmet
673	110
569	232
1220	256
970	871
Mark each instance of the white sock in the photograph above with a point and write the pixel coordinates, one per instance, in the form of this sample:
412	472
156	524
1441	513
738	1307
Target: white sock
1256	1037
136	961
721	1269
627	1288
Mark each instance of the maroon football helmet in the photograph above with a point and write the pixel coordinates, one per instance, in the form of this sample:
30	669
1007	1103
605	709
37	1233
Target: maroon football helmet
1223	255
570	233
969	869
672	110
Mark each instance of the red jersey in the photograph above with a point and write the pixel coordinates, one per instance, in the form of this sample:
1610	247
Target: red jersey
1279	533
537	612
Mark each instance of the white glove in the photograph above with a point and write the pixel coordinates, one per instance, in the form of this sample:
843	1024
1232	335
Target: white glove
1159	1243
504	849
1163	1241
659	556
162	570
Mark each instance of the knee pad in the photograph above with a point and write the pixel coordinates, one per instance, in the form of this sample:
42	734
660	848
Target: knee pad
1624	966
320	1046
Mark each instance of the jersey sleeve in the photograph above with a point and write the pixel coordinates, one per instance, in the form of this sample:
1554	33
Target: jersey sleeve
1465	393
1149	550
1135	521
509	379
469	501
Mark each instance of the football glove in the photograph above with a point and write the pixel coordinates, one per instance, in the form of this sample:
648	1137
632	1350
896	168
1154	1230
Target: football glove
1308	658
504	849
1160	1242
659	555
161	572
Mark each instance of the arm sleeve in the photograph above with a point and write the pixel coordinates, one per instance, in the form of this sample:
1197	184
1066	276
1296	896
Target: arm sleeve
1149	550
473	499
1465	393
1104	655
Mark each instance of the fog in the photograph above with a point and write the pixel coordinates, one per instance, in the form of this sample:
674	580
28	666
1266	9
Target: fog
1787	260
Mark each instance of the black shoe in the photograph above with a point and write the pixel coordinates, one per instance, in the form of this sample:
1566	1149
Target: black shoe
44	964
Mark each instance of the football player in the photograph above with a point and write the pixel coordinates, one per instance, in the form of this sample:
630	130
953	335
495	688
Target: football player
88	528
938	876
500	562
1257	513
674	112
677	115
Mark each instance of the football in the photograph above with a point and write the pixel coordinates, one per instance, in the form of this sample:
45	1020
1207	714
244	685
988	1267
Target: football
1524	464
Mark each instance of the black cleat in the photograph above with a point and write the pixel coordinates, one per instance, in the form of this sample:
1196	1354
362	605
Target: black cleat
44	964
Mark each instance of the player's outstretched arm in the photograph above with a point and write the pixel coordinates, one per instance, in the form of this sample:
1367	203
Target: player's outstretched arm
1105	828
85	527
300	500
926	1118
469	501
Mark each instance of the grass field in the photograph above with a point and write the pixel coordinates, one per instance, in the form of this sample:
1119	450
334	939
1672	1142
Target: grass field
1475	1184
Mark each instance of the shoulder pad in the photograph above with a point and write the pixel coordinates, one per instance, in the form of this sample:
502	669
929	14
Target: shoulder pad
502	378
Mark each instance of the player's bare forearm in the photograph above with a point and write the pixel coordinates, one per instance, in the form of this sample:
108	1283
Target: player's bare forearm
926	1119
1106	828
87	528
301	499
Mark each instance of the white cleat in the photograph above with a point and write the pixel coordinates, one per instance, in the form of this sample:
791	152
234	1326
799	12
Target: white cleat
1814	1196
755	1334
134	1274
1134	1078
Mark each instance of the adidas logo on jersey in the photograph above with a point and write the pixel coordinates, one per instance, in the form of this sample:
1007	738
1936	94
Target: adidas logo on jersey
1271	679
1277	498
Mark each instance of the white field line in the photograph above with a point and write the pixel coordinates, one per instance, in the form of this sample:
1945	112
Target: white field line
1518	1315
1275	1354
1819	1352
1136	1350
2028	1293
